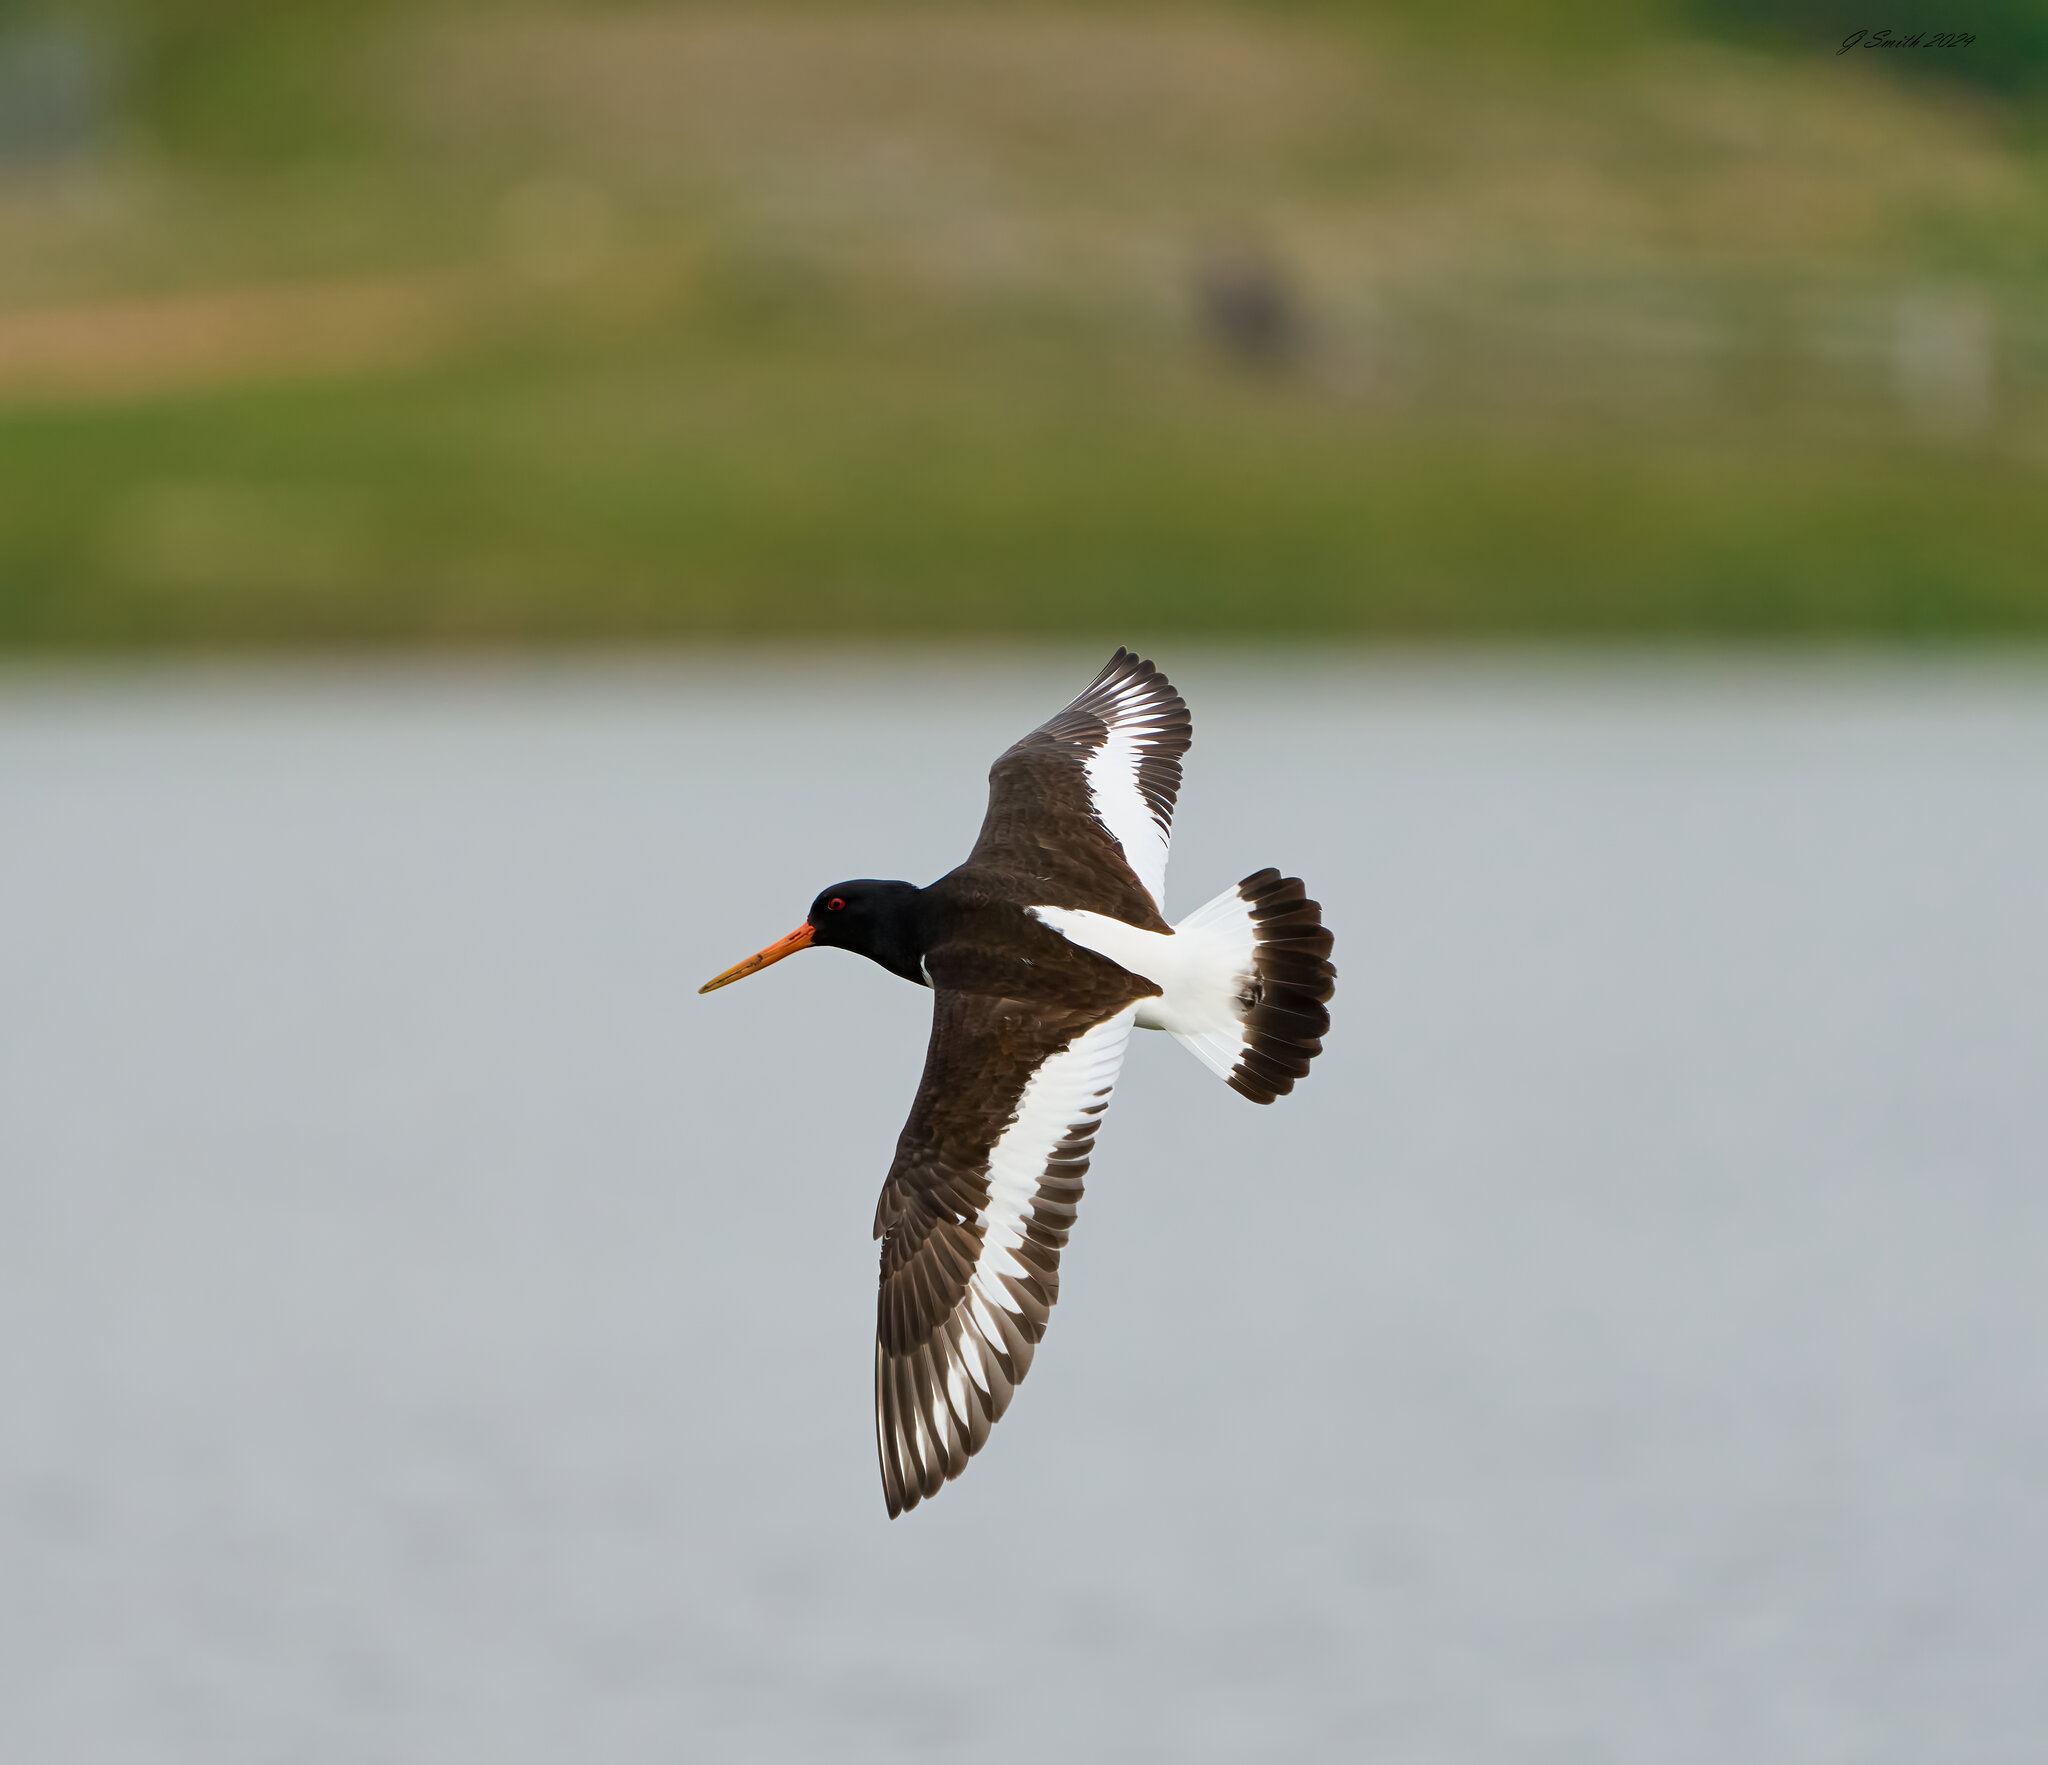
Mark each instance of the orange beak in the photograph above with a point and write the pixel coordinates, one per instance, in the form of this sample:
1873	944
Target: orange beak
797	940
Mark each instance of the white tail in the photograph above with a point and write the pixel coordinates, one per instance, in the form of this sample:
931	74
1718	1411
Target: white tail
1218	947
1242	980
1266	943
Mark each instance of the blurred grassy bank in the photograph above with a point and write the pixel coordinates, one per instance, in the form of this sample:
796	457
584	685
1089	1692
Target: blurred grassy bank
374	325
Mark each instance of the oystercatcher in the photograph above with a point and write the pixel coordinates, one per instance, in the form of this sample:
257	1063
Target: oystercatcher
1045	950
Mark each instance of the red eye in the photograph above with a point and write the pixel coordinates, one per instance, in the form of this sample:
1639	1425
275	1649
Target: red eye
833	905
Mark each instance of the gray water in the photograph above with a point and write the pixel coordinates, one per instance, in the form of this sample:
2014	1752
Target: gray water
429	1332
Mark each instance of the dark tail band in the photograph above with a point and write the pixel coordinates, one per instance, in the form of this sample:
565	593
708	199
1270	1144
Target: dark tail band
1285	1016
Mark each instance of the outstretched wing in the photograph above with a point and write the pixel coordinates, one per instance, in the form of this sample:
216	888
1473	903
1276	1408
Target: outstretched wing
972	1219
1086	799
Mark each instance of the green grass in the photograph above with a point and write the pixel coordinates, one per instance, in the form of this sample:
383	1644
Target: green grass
843	480
881	327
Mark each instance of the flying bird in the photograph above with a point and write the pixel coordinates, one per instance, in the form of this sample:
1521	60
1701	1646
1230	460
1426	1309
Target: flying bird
1044	951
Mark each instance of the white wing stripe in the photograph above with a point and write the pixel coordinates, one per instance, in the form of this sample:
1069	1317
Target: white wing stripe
956	1389
972	1362
983	1320
1061	1095
1134	721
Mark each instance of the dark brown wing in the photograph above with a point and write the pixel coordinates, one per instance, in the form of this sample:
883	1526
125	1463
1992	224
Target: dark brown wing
972	1219
1085	801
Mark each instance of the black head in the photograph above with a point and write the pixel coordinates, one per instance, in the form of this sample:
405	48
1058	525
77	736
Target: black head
856	915
879	920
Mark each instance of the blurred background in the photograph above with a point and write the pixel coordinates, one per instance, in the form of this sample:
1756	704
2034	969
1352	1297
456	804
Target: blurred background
368	323
499	504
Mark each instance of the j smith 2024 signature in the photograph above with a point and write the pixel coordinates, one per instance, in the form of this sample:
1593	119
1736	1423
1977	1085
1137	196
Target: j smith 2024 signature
1918	40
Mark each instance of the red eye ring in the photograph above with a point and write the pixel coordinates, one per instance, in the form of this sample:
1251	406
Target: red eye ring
834	905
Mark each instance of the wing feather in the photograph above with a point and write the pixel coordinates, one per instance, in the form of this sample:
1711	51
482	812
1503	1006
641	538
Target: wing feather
1085	801
973	1217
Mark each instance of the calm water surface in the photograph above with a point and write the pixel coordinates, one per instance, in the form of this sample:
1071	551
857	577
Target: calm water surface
429	1332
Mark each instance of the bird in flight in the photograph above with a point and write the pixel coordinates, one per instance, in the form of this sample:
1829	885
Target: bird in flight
1044	951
